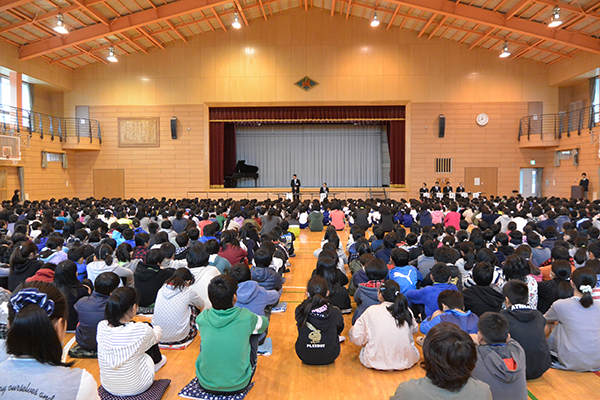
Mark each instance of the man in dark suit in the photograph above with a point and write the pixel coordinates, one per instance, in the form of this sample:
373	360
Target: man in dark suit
585	184
295	184
447	188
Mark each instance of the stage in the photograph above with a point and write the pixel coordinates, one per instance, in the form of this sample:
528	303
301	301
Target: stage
306	193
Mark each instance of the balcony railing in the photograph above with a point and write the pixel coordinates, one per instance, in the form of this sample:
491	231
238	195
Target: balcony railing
21	121
553	126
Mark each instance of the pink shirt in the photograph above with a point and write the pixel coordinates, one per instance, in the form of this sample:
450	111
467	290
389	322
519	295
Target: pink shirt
437	217
453	219
337	219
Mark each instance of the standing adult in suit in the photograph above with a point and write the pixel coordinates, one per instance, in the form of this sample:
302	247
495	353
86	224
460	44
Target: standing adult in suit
585	184
295	184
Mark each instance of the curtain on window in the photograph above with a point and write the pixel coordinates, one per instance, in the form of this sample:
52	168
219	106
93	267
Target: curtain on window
44	159
594	107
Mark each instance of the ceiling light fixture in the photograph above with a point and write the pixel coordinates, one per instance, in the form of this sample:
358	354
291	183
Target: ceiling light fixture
236	22
505	53
111	55
60	25
555	19
375	21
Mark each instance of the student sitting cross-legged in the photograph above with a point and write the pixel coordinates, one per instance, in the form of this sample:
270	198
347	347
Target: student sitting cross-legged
440	275
500	359
228	355
452	309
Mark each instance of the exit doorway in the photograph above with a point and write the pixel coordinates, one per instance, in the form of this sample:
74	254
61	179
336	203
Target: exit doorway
531	182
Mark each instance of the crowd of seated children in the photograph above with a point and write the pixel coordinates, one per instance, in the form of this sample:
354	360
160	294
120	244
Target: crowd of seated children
176	308
385	331
500	359
319	325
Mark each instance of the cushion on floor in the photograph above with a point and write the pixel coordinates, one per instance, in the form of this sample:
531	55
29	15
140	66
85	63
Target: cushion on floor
193	391
155	392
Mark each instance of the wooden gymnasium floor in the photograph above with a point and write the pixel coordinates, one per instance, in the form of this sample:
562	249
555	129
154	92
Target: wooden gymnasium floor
282	375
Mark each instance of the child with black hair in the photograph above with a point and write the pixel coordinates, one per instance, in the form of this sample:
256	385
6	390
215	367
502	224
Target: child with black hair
336	280
483	296
387	329
262	273
103	262
227	362
250	294
287	238
222	264
90	311
319	325
53	252
128	353
574	324
557	288
149	277
168	249
367	293
526	326
176	308
440	275
405	275
65	279
451	309
500	359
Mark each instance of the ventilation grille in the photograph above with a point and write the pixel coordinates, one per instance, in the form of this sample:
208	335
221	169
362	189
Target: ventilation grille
443	165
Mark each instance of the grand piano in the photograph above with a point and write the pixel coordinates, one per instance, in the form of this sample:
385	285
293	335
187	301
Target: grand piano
242	171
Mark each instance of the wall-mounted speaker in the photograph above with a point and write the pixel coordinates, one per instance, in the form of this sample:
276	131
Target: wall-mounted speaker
442	125
173	128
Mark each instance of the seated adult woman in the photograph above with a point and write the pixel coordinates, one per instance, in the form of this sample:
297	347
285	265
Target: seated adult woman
37	324
449	358
128	352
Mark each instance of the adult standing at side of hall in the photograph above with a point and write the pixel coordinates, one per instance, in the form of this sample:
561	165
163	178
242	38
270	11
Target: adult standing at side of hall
295	184
585	184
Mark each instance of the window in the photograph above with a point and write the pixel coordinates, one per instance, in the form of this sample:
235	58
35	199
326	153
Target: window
5	99
26	102
54	157
443	165
596	101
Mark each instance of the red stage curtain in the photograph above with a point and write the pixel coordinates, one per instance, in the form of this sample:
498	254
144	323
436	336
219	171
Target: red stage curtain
222	151
298	114
217	154
397	143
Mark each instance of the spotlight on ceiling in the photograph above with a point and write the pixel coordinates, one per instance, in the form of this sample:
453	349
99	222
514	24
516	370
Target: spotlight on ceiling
555	19
236	22
111	55
375	21
505	53
60	25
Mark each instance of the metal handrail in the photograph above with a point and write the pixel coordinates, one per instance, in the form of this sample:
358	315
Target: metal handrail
555	125
15	119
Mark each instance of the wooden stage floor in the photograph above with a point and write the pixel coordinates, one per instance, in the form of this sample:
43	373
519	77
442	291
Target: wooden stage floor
282	375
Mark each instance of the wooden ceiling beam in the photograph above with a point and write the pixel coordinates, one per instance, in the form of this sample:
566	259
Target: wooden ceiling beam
422	31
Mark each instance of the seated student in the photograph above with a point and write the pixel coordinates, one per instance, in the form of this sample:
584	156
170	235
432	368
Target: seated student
449	358
337	216
65	279
386	331
336	280
483	296
37	316
209	232
182	241
128	353
231	249
76	254
249	294
405	275
53	252
90	311
44	274
451	309
526	326
103	262
197	259
319	325
425	261
229	334
357	268
500	359
428	295
287	238
390	241
262	273
176	308
142	242
575	323
315	218
220	263
23	264
367	293
557	288
149	277
128	237
377	238
168	250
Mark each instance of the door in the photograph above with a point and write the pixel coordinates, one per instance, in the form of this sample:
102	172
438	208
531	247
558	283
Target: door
482	179
530	182
109	183
82	114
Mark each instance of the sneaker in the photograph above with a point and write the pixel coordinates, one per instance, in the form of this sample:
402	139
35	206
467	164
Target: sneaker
420	340
346	311
161	364
341	338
